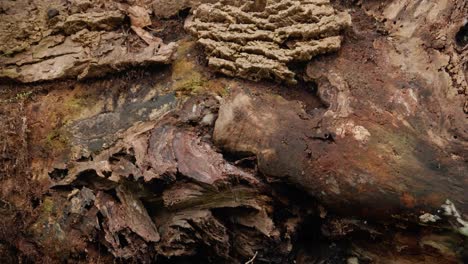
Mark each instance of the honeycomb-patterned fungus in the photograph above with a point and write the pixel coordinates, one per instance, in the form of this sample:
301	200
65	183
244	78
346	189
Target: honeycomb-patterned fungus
257	39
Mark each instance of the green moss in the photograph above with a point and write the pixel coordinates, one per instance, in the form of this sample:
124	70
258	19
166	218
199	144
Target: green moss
24	95
47	206
57	139
47	229
225	91
19	97
73	107
75	103
190	87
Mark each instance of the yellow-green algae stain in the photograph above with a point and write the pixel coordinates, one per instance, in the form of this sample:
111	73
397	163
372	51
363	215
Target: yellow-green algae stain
72	107
398	153
45	228
189	77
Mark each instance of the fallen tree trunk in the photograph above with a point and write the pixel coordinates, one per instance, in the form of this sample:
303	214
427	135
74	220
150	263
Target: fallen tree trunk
392	138
360	159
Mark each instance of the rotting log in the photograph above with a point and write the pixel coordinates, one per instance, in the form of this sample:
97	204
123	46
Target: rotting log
364	160
391	141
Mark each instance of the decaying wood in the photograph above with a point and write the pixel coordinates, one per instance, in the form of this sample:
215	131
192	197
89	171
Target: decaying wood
353	156
254	41
75	45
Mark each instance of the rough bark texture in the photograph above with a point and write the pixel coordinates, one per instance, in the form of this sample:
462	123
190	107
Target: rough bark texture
72	45
355	156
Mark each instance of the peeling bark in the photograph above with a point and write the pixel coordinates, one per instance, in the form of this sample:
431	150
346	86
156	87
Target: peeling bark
360	159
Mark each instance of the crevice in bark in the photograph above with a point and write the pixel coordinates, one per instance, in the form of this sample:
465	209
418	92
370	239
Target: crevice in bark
462	36
58	174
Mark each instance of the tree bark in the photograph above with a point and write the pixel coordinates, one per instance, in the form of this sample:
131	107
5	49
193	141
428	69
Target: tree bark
361	158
